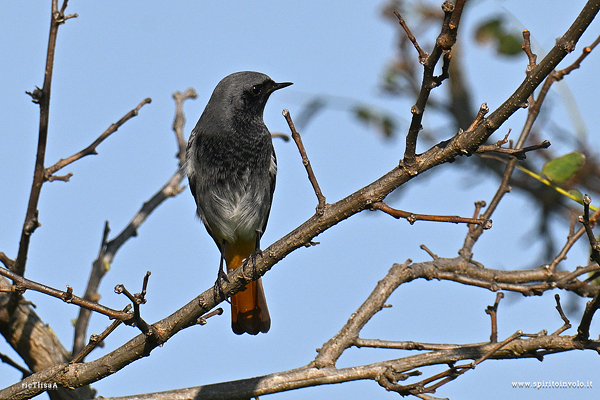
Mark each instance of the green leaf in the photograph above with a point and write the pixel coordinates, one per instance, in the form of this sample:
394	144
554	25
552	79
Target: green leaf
494	32
384	123
489	30
577	195
388	126
510	45
363	114
563	168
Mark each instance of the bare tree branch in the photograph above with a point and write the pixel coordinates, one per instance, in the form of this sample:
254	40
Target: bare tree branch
422	54
311	376
443	44
179	121
306	162
412	217
462	269
493	313
7	360
528	282
109	248
35	342
42	97
66	296
95	340
567	323
91	149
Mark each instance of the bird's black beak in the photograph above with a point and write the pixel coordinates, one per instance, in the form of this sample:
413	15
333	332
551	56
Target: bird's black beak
277	86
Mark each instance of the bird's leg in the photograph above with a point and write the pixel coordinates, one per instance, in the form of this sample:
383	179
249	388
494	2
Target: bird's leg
257	252
221	276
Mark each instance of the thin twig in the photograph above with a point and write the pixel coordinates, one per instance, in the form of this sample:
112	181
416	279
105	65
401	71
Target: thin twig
464	368
179	121
91	149
571	239
587	224
492	311
437	80
280	135
7	261
567	323
478	206
583	330
497	347
412	217
215	312
579	271
403	345
7	360
67	297
137	299
96	340
577	63
443	44
428	251
531	56
422	54
519	154
306	162
483	110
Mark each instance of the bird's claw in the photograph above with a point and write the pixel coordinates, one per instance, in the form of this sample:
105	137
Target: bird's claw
218	287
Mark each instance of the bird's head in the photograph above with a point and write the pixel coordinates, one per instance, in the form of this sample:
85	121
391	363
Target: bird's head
245	93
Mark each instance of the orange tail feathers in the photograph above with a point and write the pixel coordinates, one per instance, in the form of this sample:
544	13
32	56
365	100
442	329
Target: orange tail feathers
249	312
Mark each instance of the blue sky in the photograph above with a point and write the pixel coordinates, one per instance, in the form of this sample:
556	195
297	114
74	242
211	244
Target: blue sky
115	54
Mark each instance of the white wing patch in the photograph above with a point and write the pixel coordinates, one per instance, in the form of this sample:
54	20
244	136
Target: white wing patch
273	166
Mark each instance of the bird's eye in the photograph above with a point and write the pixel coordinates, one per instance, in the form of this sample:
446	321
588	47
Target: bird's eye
256	89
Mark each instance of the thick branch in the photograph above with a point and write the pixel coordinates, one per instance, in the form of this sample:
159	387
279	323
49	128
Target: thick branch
35	342
528	282
333	349
309	376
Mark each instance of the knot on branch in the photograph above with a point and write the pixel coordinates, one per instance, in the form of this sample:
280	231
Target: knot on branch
32	224
67	296
137	299
390	377
37	95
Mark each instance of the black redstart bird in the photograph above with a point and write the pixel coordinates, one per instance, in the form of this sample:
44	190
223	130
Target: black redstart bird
231	167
